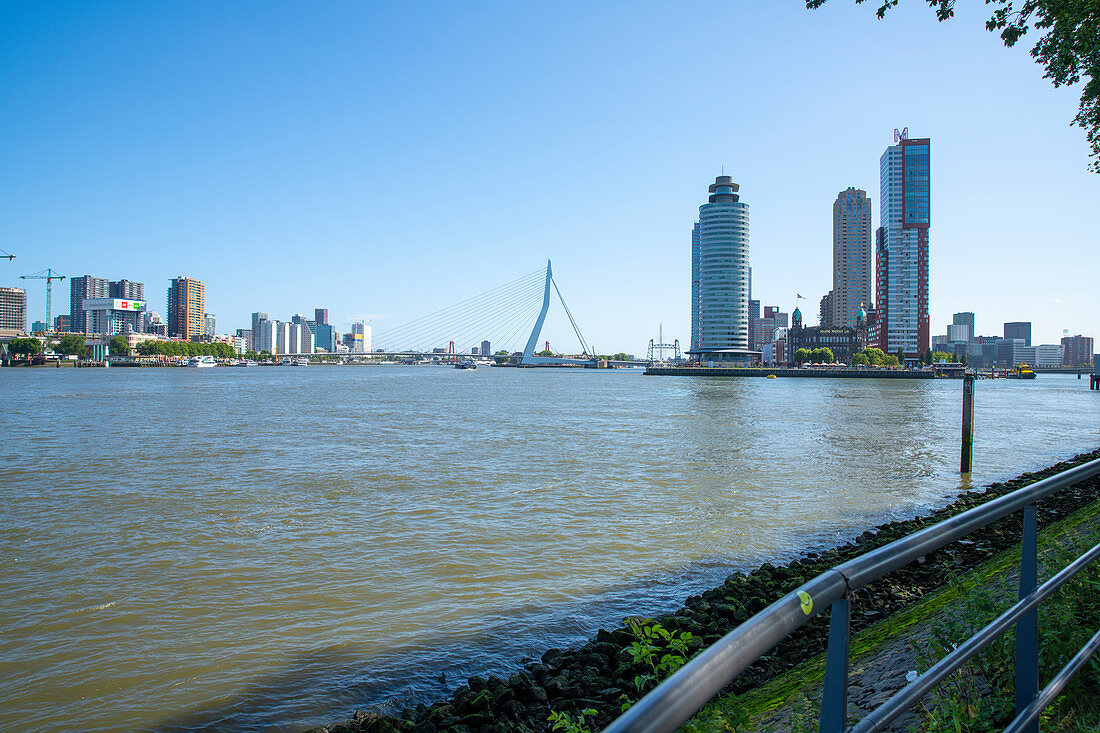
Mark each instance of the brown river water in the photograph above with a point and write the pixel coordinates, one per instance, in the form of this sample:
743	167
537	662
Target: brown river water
270	549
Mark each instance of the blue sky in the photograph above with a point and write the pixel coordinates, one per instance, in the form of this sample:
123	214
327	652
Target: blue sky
390	159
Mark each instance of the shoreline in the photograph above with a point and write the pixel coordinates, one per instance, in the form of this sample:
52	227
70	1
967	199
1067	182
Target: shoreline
598	673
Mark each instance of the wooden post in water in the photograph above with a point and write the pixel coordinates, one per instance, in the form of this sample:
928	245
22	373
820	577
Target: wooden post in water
967	458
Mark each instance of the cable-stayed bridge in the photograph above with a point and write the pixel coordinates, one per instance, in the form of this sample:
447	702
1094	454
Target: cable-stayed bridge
501	316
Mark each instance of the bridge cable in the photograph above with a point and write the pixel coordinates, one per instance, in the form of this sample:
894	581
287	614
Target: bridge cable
576	330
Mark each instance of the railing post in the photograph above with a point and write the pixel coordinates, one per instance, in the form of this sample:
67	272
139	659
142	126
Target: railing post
834	696
1027	628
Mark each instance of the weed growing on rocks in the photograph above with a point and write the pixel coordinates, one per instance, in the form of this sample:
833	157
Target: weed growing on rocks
980	696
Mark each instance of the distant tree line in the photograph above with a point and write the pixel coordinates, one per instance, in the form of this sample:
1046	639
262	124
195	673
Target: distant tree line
824	355
875	357
186	348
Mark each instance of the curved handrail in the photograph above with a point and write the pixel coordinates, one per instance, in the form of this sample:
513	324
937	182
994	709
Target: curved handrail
679	697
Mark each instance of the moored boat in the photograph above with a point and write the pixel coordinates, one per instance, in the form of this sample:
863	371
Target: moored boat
1023	371
201	362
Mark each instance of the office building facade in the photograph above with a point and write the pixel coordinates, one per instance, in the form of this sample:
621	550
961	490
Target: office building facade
720	273
113	316
851	257
959	333
965	319
1077	350
282	338
13	309
126	290
1018	330
80	288
901	270
186	308
360	338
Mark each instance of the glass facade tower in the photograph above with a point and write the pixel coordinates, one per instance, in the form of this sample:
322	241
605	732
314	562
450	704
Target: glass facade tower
904	220
720	271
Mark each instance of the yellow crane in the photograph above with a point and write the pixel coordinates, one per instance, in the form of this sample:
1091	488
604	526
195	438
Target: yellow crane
49	276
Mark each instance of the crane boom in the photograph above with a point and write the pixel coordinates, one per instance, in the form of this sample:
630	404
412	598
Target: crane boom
49	276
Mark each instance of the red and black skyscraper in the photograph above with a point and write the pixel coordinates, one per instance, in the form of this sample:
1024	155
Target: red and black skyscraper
901	273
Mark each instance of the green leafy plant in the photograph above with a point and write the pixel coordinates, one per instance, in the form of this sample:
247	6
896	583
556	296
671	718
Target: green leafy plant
661	651
564	722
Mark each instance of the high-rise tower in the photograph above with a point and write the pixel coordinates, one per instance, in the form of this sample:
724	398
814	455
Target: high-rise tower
186	308
720	271
902	245
79	289
851	257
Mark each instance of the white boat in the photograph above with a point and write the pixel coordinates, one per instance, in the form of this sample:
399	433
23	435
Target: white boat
245	363
285	361
201	362
301	361
466	364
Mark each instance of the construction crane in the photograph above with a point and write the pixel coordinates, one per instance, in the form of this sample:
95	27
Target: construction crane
49	276
5	253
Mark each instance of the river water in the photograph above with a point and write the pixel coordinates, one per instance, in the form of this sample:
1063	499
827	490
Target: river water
269	549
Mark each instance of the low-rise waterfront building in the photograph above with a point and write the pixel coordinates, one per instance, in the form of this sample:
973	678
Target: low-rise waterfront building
1048	356
844	341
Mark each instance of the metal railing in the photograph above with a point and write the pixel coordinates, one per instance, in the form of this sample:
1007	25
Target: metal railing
679	697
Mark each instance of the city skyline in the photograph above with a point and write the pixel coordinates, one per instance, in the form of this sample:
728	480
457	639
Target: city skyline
218	176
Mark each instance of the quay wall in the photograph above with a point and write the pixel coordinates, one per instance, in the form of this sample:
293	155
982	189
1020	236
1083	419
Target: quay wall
702	371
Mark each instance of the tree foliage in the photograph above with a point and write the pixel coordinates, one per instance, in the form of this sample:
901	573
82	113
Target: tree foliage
71	345
24	346
185	348
823	355
119	346
874	357
1068	49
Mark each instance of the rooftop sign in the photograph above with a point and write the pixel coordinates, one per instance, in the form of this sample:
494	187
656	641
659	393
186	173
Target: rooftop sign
113	304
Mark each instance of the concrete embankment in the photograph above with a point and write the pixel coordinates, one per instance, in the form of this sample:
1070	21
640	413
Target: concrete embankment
812	372
602	674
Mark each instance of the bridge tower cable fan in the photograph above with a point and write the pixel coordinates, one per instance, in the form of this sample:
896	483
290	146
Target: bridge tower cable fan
529	357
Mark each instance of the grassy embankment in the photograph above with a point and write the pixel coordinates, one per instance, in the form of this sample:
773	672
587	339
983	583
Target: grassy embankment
980	696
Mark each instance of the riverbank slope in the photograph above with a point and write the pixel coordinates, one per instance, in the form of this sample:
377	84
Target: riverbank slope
603	673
